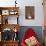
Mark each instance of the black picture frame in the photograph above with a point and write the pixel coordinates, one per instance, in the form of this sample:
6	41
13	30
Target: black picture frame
29	12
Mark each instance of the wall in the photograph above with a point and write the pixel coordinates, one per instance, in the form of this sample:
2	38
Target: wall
38	21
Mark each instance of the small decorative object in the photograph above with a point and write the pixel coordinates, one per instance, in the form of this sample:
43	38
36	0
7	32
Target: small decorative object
15	36
7	34
15	3
13	12
31	41
5	12
15	30
6	21
29	12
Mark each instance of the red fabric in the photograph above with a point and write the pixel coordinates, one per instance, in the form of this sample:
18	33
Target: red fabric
29	33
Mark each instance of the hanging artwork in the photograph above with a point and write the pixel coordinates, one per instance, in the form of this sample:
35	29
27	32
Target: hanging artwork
29	12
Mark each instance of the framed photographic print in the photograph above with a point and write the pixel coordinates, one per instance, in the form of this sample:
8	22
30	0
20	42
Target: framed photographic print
5	12
29	12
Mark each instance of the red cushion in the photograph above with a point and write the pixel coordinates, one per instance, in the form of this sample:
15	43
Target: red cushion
29	33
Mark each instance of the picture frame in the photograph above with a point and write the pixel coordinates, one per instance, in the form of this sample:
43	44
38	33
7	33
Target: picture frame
29	12
5	12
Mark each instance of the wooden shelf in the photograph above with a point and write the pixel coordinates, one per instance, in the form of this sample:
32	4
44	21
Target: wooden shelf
11	26
3	8
9	43
4	13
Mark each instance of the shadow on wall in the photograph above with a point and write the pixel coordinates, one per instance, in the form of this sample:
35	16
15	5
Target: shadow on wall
37	29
